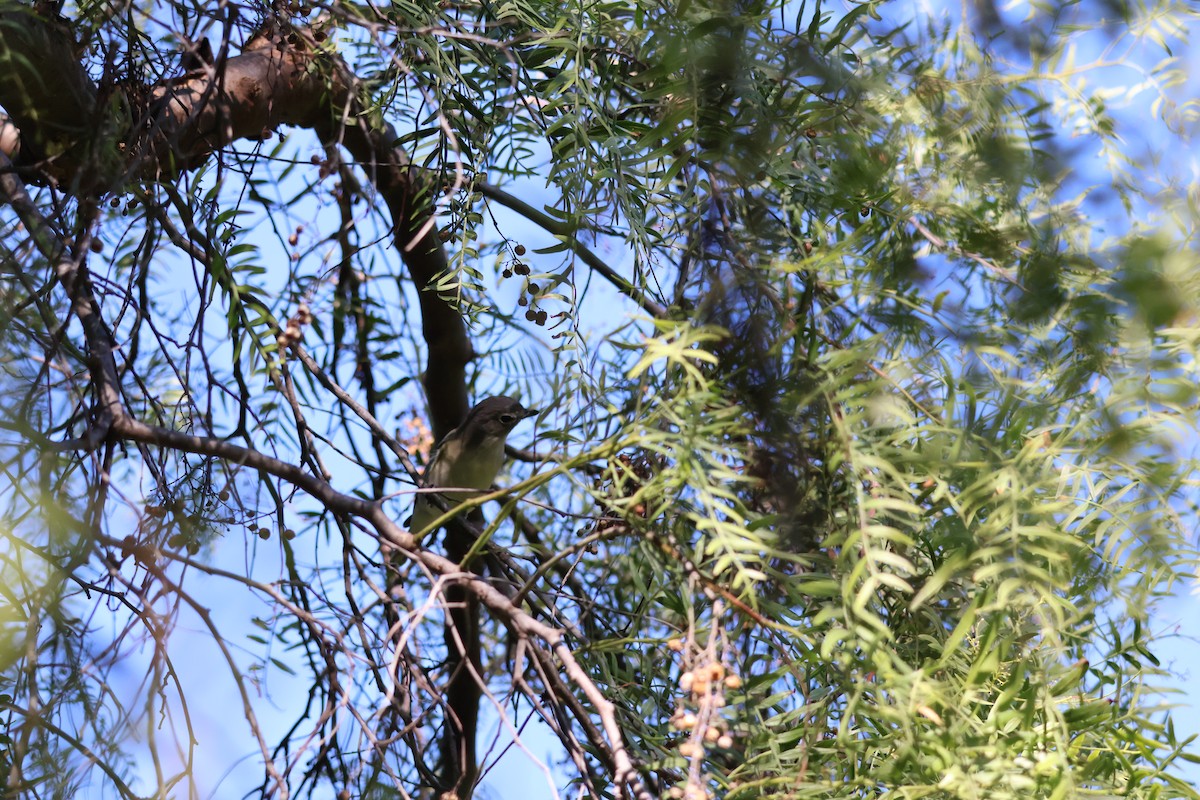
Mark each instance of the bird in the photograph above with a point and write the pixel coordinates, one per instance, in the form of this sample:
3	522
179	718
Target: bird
468	457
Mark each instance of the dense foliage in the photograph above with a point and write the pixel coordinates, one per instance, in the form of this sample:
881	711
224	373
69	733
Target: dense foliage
864	343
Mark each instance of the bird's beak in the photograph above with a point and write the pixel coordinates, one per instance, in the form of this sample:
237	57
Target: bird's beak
530	412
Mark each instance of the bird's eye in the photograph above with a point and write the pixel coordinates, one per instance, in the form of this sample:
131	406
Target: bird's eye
508	419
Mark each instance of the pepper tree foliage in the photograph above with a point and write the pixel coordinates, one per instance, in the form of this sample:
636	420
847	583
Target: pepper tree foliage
865	349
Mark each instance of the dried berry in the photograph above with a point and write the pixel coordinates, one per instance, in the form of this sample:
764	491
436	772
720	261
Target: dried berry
519	249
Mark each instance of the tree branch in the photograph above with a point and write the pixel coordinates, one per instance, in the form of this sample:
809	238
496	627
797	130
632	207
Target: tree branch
567	234
274	80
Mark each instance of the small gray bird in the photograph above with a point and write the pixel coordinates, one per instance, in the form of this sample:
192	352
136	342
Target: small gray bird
468	457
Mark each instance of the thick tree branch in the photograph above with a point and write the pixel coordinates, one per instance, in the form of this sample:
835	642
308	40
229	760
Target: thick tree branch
409	198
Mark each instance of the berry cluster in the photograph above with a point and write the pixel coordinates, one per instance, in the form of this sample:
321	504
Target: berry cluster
529	296
293	332
704	683
293	240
